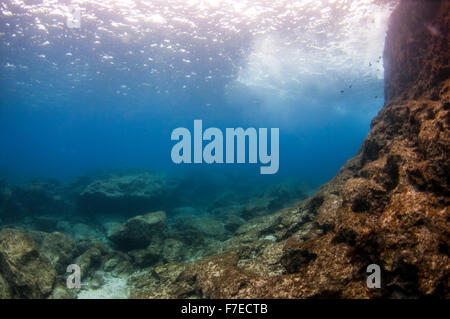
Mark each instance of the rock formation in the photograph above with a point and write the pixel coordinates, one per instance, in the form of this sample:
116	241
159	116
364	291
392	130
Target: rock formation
126	194
24	272
140	231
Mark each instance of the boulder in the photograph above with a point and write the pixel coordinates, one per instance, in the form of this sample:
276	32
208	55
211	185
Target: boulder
118	264
127	194
97	257
59	249
89	262
138	232
29	274
148	256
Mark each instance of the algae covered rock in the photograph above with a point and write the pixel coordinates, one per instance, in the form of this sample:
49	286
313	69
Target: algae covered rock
138	232
148	256
194	230
59	249
89	261
5	290
96	256
29	274
127	194
61	292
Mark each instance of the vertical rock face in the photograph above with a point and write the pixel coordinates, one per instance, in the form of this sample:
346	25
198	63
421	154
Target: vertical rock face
416	50
387	206
395	192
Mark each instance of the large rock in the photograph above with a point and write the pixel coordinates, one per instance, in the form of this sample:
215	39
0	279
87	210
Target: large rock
89	262
127	194
97	258
59	249
138	232
148	256
62	292
29	274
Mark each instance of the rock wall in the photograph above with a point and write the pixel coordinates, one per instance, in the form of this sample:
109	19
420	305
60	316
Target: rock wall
388	205
416	50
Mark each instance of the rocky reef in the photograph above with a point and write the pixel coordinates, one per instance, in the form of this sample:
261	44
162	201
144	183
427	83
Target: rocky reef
36	248
136	235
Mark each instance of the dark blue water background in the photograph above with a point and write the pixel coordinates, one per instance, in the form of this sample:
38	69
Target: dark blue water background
72	106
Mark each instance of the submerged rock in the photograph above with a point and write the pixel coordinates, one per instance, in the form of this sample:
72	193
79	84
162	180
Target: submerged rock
84	230
89	261
5	290
148	256
33	199
96	256
140	231
59	249
127	194
61	292
173	250
29	274
194	230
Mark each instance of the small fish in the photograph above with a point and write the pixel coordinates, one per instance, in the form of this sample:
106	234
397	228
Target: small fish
370	64
342	91
350	86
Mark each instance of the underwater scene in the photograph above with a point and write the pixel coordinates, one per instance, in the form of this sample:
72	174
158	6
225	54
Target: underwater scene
220	149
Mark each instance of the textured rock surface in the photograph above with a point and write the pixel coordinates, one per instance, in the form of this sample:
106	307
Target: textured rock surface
58	248
148	256
138	232
61	292
5	290
28	274
126	194
388	205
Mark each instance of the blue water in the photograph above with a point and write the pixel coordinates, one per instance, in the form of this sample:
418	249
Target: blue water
71	106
